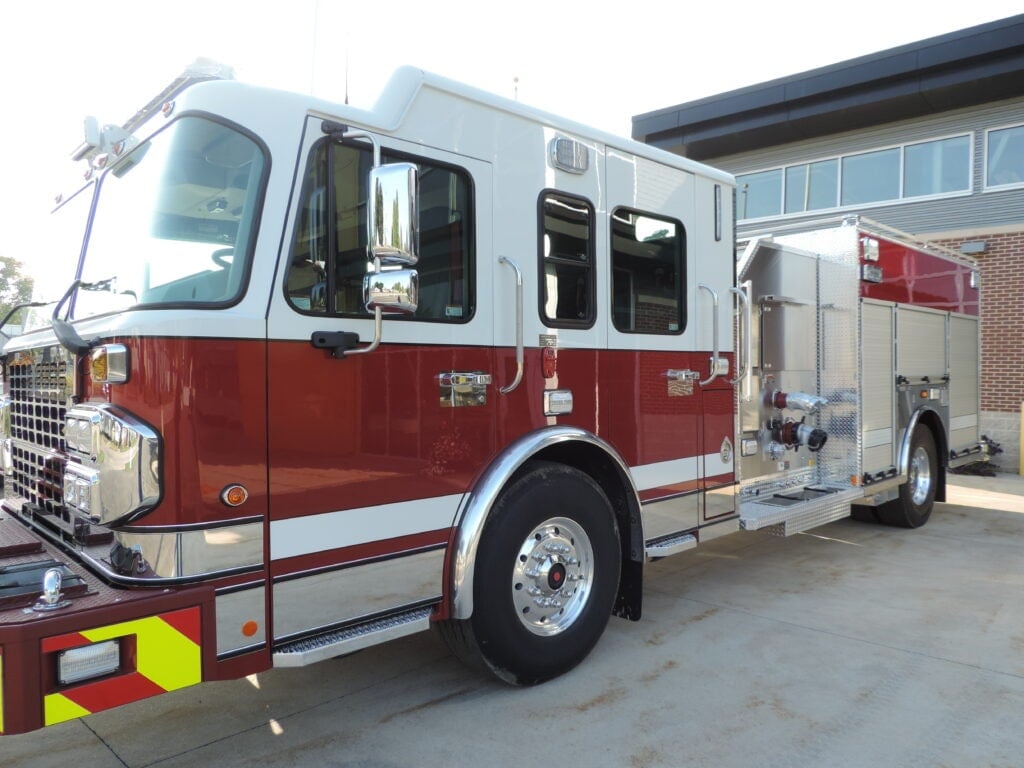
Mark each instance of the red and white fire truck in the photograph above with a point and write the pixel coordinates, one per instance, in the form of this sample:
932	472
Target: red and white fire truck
323	377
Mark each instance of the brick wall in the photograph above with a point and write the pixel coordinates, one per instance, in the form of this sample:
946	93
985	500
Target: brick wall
1002	339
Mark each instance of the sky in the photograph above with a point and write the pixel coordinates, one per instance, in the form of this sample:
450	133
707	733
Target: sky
596	62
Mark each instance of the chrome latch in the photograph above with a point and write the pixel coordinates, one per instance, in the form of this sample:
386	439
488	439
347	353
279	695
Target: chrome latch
680	383
459	390
684	375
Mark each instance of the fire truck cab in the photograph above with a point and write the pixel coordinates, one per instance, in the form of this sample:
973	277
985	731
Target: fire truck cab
322	377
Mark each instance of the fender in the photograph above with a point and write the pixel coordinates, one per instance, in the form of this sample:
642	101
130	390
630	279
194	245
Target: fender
932	419
476	505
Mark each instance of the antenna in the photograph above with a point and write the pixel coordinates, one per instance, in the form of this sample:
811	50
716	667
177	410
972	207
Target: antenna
312	62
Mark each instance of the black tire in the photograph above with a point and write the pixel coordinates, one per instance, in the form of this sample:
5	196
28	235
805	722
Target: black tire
549	516
916	496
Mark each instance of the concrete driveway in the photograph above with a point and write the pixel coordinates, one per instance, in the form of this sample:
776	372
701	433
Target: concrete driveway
852	645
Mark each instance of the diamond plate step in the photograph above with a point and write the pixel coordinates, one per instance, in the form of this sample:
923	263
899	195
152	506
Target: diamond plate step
796	516
301	653
673	546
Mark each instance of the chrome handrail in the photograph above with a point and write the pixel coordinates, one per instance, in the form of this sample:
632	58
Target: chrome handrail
519	325
746	327
714	332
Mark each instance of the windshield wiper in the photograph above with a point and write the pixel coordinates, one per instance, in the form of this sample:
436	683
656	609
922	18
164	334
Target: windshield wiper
66	334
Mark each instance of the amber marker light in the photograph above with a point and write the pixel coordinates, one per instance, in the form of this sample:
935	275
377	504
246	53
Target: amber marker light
109	364
234	495
250	628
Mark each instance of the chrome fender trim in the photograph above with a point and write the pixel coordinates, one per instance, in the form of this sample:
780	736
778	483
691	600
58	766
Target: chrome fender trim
476	505
908	434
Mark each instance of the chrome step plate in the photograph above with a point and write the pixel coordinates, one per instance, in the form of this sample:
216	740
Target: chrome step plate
301	653
672	546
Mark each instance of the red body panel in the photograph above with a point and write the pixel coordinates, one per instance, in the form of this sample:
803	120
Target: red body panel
207	398
912	276
370	430
641	420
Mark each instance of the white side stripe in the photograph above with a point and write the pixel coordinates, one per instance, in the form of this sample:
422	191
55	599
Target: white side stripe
348	527
664	473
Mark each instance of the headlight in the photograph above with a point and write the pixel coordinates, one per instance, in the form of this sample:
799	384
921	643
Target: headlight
80	433
113	472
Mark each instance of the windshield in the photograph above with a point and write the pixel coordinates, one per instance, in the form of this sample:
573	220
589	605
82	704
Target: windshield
174	221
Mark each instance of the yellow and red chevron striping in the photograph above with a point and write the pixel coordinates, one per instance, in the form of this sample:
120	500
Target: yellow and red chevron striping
167	657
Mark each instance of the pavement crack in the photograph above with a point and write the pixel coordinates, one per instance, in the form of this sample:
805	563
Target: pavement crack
104	743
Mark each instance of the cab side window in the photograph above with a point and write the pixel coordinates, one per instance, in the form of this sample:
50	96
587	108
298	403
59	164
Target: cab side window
329	256
567	261
647	273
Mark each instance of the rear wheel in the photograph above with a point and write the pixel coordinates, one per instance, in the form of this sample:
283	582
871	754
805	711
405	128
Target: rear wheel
917	496
545	579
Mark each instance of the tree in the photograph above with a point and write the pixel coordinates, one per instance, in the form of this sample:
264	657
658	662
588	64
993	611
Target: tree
15	287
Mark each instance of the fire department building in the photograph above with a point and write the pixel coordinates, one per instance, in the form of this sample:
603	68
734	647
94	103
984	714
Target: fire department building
927	138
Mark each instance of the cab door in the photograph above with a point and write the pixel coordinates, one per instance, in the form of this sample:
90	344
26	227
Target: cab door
370	453
714	319
655	360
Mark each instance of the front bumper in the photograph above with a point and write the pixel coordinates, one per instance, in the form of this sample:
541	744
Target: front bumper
163	635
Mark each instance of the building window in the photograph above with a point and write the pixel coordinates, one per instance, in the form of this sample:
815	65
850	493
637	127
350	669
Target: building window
760	194
939	167
812	187
1004	157
567	261
870	177
647	273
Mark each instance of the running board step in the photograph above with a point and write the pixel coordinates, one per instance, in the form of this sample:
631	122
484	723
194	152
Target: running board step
673	546
783	515
310	650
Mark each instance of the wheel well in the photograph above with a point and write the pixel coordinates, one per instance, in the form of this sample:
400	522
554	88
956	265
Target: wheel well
594	462
932	421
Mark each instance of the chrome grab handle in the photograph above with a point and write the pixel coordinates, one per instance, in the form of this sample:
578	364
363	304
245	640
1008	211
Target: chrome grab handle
714	332
519	325
746	327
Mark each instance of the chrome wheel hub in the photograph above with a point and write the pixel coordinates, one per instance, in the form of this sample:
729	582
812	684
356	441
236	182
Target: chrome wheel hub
920	479
553	575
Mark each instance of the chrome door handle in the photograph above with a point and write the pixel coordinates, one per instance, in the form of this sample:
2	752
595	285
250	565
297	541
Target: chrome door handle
459	389
469	379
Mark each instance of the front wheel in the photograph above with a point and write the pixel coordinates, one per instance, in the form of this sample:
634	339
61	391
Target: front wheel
546	576
917	496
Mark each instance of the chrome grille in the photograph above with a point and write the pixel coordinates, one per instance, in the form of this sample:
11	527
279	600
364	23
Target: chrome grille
40	384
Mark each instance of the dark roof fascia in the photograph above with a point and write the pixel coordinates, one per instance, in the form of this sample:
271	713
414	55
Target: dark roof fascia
972	66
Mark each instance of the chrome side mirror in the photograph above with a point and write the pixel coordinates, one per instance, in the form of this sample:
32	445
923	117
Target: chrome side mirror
393	227
393	218
395	292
